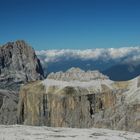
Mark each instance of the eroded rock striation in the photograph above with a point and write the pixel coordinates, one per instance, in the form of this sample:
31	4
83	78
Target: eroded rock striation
69	100
18	65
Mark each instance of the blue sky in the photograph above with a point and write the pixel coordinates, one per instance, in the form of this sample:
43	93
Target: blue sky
71	24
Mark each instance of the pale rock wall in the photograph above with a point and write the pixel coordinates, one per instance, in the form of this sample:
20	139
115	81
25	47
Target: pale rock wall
102	104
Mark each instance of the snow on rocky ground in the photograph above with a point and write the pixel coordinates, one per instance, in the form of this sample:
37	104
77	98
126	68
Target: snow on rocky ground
18	132
95	84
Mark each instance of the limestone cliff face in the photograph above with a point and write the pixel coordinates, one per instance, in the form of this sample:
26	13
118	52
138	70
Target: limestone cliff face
74	103
18	64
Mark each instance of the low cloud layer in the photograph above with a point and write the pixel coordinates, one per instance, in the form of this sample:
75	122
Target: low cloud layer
126	54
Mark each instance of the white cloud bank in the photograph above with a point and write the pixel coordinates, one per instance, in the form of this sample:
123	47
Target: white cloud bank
128	54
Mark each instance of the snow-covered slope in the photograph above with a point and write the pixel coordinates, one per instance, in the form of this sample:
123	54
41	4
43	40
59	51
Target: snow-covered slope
18	132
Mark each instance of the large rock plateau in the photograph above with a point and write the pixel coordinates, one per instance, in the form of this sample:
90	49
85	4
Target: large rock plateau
81	99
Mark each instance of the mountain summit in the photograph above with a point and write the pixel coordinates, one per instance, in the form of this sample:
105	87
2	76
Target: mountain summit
18	64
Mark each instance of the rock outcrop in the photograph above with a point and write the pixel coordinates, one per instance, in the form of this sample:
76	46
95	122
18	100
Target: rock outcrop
18	65
77	74
69	100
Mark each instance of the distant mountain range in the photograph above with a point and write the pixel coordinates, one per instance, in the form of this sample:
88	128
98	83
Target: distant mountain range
118	63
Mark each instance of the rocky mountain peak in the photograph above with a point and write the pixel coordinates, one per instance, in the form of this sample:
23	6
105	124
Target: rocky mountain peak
77	74
18	64
75	70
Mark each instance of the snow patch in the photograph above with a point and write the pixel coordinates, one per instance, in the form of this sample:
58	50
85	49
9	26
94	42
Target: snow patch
96	84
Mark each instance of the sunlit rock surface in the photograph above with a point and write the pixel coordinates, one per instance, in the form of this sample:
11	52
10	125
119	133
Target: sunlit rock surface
72	102
77	74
